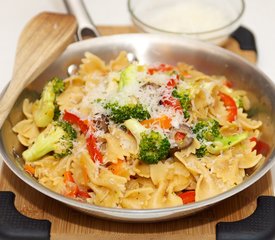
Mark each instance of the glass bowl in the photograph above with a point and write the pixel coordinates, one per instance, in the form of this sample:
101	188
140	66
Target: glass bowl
207	20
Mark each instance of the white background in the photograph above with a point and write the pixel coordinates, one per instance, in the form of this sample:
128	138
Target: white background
259	17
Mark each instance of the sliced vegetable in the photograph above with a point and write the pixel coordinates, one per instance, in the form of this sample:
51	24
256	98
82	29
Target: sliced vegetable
83	194
228	84
73	119
179	136
29	169
128	78
161	68
172	83
172	102
187	197
71	187
91	141
72	190
261	147
164	122
230	106
68	177
95	154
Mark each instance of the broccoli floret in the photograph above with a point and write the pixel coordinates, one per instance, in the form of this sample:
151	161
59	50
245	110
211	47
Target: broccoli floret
185	101
153	147
57	113
208	133
207	130
240	103
128	77
57	138
223	143
120	114
200	152
58	85
45	108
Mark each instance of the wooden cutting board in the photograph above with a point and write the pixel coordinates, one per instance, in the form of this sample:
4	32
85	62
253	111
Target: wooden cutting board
69	224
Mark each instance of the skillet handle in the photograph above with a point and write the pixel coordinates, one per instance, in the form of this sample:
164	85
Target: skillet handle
86	28
260	225
15	226
242	42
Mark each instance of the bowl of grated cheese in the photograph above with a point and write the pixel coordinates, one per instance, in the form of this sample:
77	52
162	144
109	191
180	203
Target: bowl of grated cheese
206	20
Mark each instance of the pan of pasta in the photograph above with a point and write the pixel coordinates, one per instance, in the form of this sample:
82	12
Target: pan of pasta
178	128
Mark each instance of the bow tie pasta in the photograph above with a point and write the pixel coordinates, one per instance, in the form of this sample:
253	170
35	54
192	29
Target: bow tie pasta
127	135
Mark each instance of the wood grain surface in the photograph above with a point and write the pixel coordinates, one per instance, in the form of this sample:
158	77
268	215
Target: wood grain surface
69	224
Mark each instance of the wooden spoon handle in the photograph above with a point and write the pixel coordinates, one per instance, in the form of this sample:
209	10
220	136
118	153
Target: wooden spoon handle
42	40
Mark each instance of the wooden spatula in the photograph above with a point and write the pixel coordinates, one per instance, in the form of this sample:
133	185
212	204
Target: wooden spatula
42	40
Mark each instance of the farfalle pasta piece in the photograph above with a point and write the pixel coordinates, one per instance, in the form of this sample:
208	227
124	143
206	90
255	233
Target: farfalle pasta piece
120	62
75	80
179	177
158	198
92	64
114	150
27	131
142	169
70	98
137	198
247	123
158	172
248	157
27	108
108	187
226	167
127	142
189	150
189	163
103	196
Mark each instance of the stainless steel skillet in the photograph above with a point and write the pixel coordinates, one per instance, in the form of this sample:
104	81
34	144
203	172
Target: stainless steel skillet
150	49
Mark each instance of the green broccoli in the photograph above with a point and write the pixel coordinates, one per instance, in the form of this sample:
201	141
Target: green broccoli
222	143
128	77
153	147
57	138
208	133
207	130
185	101
120	114
46	107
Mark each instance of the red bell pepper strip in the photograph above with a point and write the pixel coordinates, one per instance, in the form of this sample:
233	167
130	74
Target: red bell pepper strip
261	147
228	84
179	136
91	141
68	177
29	169
73	119
230	106
187	197
171	102
171	83
164	122
93	150
83	194
161	68
72	188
